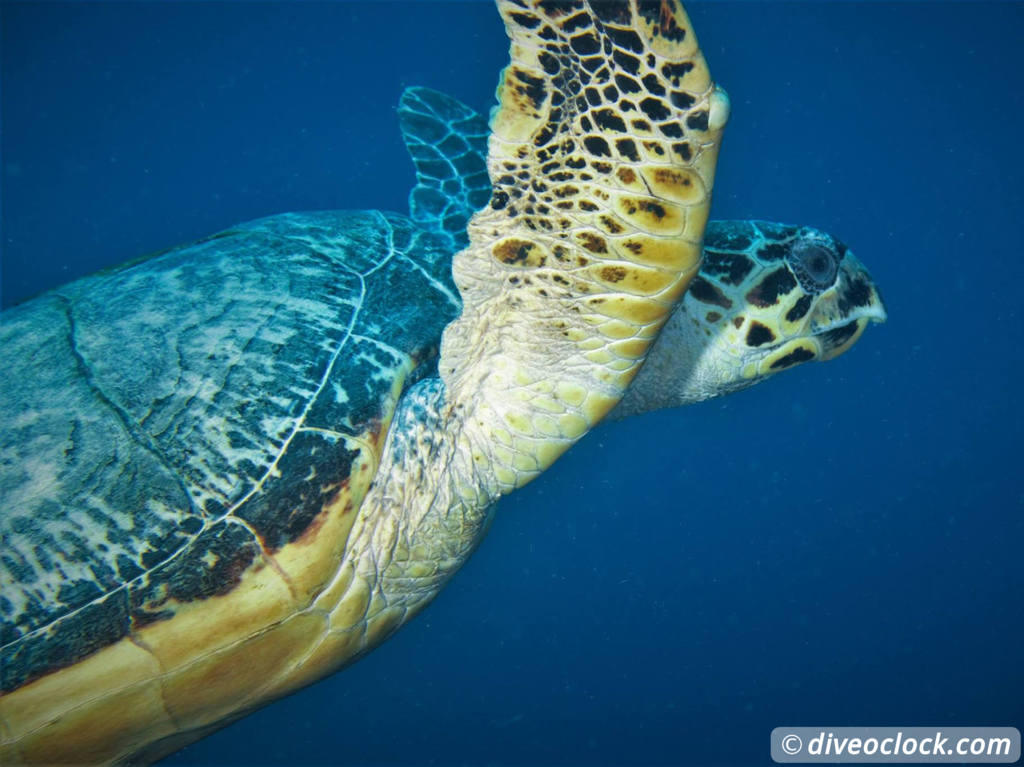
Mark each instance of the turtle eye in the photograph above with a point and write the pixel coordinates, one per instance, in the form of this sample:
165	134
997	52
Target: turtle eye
814	265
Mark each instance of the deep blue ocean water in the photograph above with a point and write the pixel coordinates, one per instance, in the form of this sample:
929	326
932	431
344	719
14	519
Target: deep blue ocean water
842	545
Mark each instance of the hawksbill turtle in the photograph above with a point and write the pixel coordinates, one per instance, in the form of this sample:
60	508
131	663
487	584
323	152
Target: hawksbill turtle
235	466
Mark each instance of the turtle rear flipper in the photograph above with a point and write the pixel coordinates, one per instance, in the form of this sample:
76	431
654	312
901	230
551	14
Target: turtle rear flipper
448	143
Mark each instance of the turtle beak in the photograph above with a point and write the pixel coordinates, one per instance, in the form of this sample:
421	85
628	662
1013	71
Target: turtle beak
854	303
860	290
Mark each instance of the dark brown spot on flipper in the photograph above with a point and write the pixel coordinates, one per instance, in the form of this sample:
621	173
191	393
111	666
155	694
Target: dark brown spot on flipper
671	130
610	224
616	13
628	63
659	14
529	90
597	146
516	252
585	44
627	149
627	84
592	242
675	72
613	274
608	120
525	20
655	109
681	99
698	120
653	207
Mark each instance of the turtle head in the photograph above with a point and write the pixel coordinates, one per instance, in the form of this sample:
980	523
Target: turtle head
793	294
768	297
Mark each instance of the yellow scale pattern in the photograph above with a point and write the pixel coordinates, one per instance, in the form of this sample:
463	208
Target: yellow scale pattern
602	158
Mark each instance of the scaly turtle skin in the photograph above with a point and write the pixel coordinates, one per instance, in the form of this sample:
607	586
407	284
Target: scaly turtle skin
234	467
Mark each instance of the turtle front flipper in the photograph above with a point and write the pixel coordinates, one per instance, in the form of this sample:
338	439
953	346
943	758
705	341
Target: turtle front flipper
602	159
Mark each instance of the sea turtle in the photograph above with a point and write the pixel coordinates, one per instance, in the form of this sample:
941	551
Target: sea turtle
231	468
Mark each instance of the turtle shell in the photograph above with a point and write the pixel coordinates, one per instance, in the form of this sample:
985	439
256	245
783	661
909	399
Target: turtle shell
186	441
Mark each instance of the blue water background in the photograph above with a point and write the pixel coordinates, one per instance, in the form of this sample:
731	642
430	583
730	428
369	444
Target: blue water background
842	545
